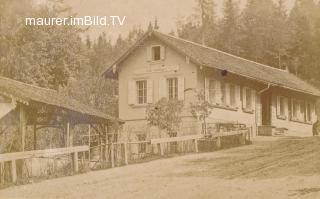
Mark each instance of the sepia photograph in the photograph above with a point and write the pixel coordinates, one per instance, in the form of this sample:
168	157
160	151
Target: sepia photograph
178	99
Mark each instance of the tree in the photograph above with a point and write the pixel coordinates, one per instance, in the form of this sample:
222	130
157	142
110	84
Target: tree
200	27
201	109
256	25
280	36
165	114
47	56
229	28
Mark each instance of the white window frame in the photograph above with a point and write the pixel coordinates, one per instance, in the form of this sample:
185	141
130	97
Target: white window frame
245	100
223	93
281	108
308	113
234	100
212	93
144	92
175	91
295	104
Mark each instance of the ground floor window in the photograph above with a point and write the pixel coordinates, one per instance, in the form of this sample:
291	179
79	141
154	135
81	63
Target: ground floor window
172	88
282	107
301	110
232	90
141	91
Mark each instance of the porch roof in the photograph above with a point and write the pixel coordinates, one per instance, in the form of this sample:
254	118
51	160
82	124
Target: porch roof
29	94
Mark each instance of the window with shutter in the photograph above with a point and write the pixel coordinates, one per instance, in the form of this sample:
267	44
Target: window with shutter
232	91
308	112
281	107
141	86
223	93
172	88
156	53
248	99
212	91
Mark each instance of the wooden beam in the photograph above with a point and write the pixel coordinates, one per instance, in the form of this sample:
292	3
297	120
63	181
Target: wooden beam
196	145
75	162
161	149
35	137
68	135
13	171
218	142
112	155
89	133
125	154
22	126
175	139
41	153
2	172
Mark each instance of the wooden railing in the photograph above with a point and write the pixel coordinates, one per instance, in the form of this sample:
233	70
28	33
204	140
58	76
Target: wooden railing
12	157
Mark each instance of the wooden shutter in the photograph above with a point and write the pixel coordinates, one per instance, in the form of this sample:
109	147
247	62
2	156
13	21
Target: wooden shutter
132	92
163	52
206	88
253	99
149	91
244	99
227	93
238	95
180	88
286	107
218	92
278	105
149	53
313	112
162	87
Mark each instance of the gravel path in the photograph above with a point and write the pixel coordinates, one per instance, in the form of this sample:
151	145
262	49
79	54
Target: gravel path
277	169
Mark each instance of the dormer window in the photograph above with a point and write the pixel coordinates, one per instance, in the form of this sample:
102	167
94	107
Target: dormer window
156	53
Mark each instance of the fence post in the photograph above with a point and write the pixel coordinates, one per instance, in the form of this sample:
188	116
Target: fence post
242	138
196	145
161	149
112	155
13	171
218	142
2	172
75	162
125	154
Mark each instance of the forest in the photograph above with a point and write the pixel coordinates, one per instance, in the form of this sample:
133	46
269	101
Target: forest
66	59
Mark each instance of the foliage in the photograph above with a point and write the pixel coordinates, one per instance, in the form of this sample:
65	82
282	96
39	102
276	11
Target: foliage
264	31
201	109
44	55
165	114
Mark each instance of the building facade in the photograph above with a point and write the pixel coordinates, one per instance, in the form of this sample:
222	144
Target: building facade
239	90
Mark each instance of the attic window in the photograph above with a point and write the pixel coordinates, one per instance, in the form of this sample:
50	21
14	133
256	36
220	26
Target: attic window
156	53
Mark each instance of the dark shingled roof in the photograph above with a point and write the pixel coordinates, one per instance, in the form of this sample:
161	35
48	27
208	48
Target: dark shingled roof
214	58
26	93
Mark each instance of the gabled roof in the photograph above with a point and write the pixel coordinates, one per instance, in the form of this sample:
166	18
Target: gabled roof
214	58
27	94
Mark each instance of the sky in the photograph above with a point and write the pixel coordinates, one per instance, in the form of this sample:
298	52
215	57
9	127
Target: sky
140	12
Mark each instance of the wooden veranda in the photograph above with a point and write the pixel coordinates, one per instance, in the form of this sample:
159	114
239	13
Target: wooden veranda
28	109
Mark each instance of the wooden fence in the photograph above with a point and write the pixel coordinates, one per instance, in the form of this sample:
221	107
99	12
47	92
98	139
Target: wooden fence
124	153
121	153
13	157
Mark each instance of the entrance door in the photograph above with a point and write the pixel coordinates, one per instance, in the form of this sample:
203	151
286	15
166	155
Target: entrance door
266	108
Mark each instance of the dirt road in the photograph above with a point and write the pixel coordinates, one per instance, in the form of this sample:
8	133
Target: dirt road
278	169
